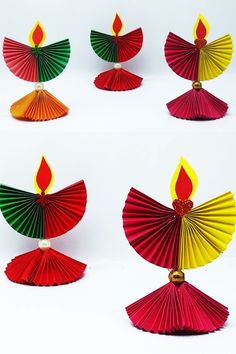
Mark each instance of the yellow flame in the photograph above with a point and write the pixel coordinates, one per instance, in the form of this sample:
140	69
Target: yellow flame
37	188
206	24
32	32
190	172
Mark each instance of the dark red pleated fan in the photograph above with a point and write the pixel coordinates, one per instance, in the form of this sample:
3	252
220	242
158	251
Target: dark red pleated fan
64	209
44	268
129	45
117	80
182	57
20	60
152	229
177	309
197	104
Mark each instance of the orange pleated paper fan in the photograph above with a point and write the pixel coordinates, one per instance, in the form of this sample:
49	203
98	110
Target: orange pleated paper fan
39	105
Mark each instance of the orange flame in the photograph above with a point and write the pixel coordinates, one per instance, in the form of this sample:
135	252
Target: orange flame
117	25
201	28
37	35
184	181
43	178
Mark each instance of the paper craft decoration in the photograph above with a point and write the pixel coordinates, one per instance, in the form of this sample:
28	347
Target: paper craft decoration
178	238
37	64
117	49
198	62
43	216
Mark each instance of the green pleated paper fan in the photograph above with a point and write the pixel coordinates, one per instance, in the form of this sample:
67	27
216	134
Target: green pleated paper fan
104	46
22	211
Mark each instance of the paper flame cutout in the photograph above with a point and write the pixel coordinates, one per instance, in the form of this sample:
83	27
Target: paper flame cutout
43	178
37	35
201	28
184	181
117	25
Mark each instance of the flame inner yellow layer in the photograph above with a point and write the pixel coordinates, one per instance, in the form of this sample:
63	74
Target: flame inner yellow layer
190	172
206	231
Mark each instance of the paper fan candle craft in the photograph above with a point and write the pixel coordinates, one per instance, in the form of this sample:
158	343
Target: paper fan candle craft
178	238
37	64
198	62
117	49
43	216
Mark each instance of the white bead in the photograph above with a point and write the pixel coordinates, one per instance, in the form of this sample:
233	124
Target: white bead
117	66
44	244
39	86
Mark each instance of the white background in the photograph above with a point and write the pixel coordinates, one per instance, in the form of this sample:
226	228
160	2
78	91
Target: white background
113	141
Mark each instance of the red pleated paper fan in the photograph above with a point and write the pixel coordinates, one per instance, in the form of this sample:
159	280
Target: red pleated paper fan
197	104
44	268
129	45
20	60
152	229
64	209
177	309
182	57
117	80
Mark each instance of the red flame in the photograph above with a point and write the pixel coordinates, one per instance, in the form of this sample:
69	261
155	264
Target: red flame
44	175
117	25
37	35
183	185
201	30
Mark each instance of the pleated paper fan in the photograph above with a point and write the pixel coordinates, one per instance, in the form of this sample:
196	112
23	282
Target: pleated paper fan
44	216
37	64
152	229
215	57
177	309
52	216
29	268
197	104
198	62
117	48
104	46
180	238
206	231
182	57
117	80
39	105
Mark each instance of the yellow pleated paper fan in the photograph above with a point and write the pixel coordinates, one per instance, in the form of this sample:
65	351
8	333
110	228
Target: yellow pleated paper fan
206	231
215	58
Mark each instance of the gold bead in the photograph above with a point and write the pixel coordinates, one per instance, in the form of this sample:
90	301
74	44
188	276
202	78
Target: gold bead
197	85
176	276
